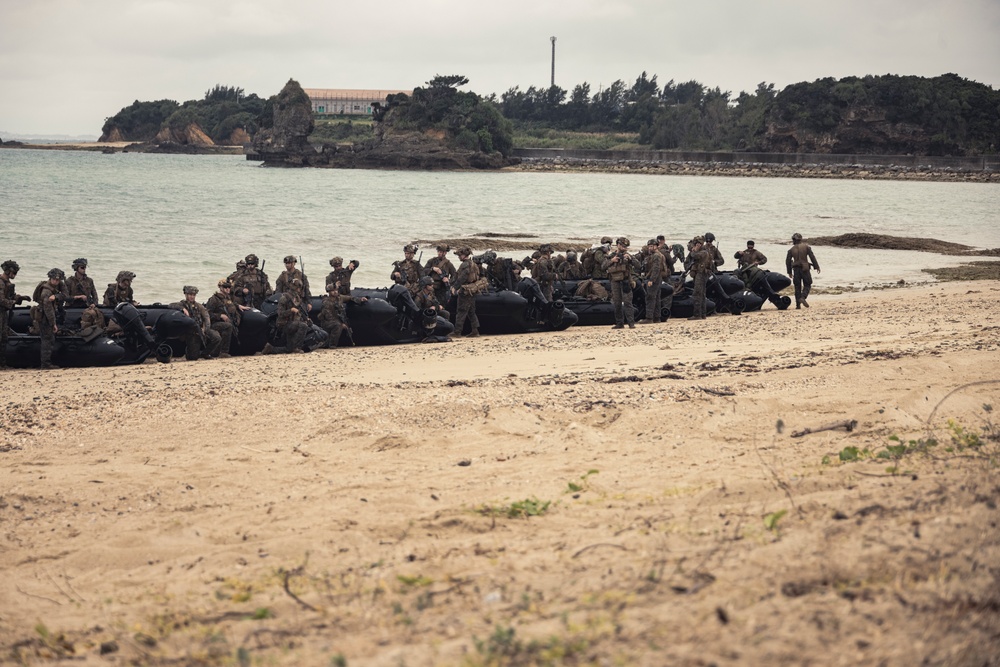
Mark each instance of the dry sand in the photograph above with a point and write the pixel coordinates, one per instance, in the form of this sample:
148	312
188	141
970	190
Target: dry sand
374	506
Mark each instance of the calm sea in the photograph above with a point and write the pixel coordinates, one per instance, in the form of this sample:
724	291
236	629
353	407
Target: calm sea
176	220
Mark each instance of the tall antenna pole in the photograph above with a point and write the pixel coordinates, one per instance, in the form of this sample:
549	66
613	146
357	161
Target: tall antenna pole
553	61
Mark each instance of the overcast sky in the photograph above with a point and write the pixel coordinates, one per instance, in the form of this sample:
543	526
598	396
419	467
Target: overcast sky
66	65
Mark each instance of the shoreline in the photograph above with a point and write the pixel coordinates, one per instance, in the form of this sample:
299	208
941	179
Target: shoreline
589	165
618	497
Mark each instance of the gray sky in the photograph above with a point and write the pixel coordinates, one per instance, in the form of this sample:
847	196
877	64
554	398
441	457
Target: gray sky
65	65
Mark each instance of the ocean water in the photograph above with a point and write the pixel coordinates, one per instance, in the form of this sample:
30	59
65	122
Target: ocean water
179	220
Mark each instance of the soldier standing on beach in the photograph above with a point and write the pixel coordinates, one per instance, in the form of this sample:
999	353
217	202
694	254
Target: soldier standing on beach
749	257
466	276
8	299
205	338
700	266
120	291
620	266
717	258
332	316
288	275
655	269
797	262
48	296
442	273
79	286
252	286
408	271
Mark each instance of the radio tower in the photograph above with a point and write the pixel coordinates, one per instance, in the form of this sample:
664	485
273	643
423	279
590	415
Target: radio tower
553	61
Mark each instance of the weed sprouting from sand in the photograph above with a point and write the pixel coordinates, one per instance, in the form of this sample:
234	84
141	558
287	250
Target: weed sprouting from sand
574	487
522	509
503	647
414	581
771	520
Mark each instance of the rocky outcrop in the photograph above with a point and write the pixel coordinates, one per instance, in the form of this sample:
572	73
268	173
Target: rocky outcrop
286	144
112	134
190	135
238	137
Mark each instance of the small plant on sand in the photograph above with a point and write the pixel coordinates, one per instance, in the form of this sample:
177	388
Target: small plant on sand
414	581
517	510
574	487
771	520
503	648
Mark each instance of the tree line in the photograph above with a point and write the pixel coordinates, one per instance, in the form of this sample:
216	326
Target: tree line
947	114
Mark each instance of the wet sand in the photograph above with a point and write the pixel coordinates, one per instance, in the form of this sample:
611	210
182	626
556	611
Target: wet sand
584	497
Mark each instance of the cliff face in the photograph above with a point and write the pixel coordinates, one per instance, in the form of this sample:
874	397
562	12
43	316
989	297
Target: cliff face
190	135
286	143
112	134
863	131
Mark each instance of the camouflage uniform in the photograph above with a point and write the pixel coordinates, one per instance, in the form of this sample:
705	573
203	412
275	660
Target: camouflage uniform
119	292
544	271
717	258
751	255
332	316
797	262
221	304
293	321
408	271
43	314
80	285
92	317
619	267
700	265
252	286
427	298
442	272
591	290
655	268
342	274
600	254
468	274
571	269
205	337
8	299
286	278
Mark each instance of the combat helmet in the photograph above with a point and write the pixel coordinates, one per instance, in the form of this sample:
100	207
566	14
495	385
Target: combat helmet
57	273
425	281
251	260
570	255
190	289
331	287
10	265
444	247
464	250
224	283
78	262
545	248
124	275
710	237
651	242
698	239
605	239
621	240
337	261
796	237
409	247
289	259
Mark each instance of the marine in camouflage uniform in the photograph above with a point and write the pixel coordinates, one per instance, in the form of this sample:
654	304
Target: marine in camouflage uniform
655	270
427	298
43	314
797	262
120	291
80	287
408	271
332	316
206	340
619	266
700	265
293	320
717	258
599	255
543	271
8	299
241	266
252	286
442	272
466	276
225	315
288	275
571	269
342	274
749	257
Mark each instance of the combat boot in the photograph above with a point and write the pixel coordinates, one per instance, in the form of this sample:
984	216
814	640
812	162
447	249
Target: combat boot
474	333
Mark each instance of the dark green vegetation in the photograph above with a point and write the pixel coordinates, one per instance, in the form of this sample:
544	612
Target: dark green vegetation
468	121
944	115
222	110
341	130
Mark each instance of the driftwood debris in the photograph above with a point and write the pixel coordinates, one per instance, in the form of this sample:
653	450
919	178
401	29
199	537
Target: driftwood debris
846	424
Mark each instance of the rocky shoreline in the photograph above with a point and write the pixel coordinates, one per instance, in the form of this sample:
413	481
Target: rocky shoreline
757	169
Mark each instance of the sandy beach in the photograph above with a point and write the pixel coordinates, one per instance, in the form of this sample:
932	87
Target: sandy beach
636	497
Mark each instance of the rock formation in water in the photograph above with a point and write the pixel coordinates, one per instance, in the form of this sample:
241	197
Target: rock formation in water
405	138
